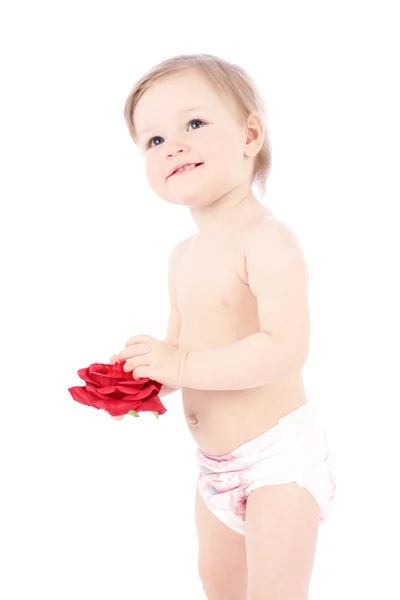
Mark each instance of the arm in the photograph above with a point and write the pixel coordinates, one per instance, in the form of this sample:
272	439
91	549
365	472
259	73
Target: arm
277	276
174	321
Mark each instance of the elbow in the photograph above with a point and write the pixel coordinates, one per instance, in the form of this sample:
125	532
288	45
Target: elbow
293	356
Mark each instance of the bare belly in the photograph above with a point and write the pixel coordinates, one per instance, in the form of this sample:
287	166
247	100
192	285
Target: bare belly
220	422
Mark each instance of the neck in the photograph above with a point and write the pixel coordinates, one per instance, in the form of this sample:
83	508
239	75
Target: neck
229	209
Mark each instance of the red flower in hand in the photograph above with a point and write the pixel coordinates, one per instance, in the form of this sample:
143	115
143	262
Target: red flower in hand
109	388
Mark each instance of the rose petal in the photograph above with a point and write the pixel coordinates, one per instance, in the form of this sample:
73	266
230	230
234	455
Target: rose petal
109	388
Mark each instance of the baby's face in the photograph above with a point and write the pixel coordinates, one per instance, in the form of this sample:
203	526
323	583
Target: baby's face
187	122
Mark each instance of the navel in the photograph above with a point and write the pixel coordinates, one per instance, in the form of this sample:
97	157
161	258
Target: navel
192	420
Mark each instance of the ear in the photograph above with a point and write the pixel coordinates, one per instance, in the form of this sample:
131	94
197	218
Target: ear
255	134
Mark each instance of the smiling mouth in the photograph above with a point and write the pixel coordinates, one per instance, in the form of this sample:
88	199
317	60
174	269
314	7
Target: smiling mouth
186	170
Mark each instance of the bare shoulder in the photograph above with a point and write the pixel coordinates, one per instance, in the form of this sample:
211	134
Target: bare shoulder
270	240
269	232
267	227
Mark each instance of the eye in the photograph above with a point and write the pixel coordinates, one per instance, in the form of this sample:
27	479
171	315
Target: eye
196	121
157	137
148	145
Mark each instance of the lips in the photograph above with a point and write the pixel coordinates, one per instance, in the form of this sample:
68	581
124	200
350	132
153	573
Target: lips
183	165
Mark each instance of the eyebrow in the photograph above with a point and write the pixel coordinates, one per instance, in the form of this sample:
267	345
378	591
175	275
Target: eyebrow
147	129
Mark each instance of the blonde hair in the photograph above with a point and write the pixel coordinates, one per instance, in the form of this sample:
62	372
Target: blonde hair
225	77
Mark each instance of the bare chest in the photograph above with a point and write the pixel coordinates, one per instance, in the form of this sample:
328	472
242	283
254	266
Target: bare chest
214	298
212	274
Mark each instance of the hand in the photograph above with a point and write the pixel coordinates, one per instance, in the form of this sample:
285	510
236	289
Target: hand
153	359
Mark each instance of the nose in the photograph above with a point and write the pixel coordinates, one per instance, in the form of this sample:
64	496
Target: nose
176	149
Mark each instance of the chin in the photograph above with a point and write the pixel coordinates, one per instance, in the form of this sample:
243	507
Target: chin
192	199
193	196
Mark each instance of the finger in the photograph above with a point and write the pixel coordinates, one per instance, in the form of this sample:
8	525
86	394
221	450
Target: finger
134	363
141	373
119	418
134	350
137	339
113	359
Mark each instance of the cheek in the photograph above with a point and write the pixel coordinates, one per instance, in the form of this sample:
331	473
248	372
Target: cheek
224	148
227	161
152	170
149	167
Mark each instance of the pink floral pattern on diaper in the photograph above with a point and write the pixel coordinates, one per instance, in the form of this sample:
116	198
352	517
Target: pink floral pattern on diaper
238	500
230	495
223	482
216	462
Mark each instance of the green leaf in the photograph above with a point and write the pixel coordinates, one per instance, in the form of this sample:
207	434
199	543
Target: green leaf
133	413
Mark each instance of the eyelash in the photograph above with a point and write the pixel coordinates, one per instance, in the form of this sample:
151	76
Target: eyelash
148	145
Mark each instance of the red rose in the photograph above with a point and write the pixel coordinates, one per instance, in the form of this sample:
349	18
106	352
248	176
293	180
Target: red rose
109	388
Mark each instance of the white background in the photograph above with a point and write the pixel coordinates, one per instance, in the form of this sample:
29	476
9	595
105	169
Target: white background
94	508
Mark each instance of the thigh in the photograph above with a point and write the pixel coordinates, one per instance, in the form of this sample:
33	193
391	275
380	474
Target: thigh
281	539
222	556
